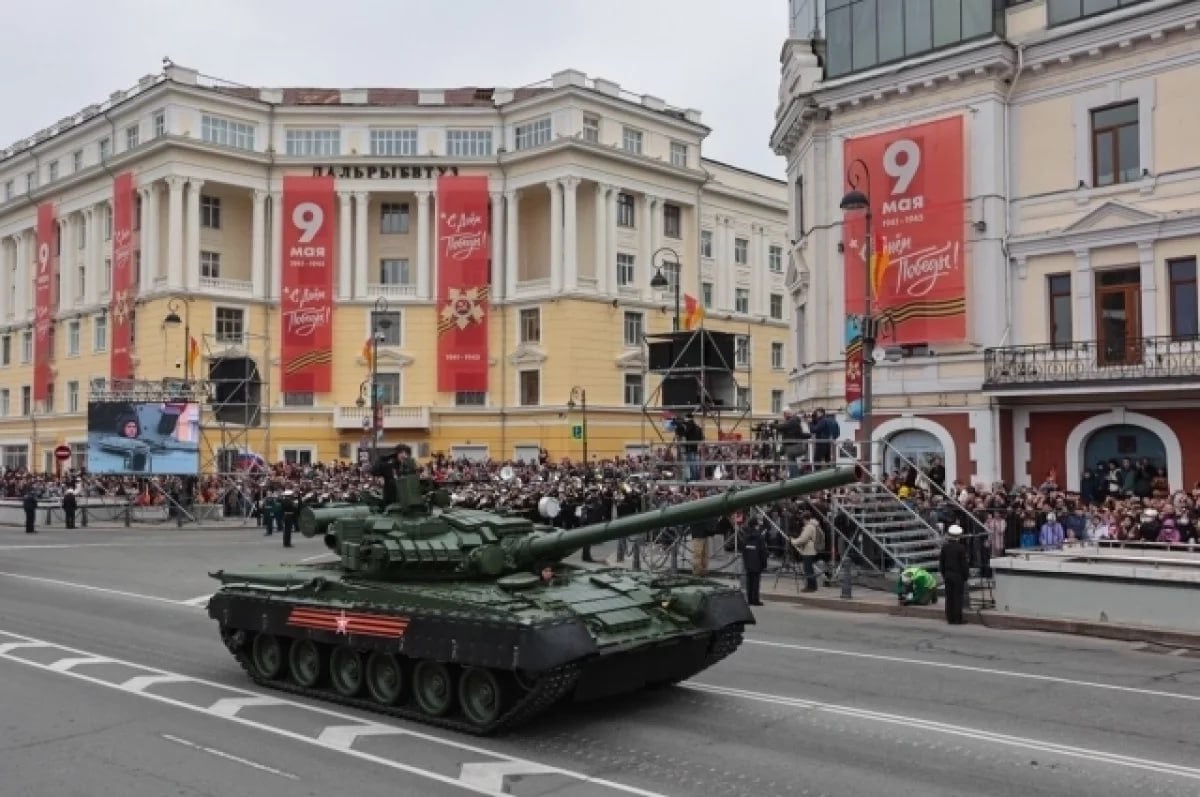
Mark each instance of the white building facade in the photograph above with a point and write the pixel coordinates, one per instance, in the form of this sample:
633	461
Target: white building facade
1078	217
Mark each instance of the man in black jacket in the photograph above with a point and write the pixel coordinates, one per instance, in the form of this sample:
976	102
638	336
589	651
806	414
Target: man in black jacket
795	434
955	569
69	506
30	504
754	562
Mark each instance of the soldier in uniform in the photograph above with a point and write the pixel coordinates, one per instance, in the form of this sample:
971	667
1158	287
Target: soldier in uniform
392	467
955	570
291	516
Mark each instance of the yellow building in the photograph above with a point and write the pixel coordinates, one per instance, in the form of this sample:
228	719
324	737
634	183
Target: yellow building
570	302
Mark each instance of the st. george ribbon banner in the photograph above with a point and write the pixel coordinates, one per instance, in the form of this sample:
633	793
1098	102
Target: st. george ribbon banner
120	362
45	267
306	295
463	284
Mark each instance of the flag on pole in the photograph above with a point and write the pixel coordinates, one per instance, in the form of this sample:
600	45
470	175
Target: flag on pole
880	262
193	354
368	352
693	312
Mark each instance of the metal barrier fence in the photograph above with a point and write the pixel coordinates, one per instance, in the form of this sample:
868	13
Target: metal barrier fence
50	514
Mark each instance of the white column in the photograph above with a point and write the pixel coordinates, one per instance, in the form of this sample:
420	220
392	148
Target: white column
610	239
274	270
424	262
5	279
760	280
556	235
258	244
175	232
191	276
362	208
570	234
91	278
24	279
345	268
1149	280
149	238
512	248
600	239
645	265
1081	287
68	271
496	231
730	283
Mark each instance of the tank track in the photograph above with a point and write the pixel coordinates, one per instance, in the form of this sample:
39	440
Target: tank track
725	642
552	686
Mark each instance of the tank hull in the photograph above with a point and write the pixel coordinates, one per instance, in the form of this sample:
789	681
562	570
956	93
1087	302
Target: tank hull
591	635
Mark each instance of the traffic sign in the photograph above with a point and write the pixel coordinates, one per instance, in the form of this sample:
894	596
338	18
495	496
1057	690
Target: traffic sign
577	431
62	453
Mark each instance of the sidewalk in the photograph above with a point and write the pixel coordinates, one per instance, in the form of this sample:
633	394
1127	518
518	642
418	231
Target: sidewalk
869	601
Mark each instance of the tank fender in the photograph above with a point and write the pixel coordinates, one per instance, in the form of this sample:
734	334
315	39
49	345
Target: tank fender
724	609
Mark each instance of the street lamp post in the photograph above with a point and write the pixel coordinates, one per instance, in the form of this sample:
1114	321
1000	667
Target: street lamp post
380	326
173	319
581	394
660	281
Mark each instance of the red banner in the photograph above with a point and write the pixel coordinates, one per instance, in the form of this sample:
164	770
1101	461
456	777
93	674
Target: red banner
45	267
306	296
918	213
120	363
463	284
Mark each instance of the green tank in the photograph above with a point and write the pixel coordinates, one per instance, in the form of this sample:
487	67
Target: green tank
471	620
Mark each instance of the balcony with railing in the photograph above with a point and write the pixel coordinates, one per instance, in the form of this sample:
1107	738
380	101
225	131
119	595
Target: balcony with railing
391	290
1112	361
226	285
394	417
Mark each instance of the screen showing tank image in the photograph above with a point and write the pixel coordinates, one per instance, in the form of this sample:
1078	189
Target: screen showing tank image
146	439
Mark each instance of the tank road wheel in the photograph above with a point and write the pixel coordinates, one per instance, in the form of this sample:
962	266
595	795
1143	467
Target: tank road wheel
346	671
433	687
385	678
306	662
266	653
480	695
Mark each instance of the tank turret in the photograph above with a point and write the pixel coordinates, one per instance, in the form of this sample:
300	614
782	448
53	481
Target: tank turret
424	538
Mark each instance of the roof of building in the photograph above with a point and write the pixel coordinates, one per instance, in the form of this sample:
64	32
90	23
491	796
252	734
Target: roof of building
462	97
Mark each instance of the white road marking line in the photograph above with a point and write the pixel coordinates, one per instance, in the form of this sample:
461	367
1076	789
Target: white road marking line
961	731
229	757
313	709
325	555
942	665
140	683
64	665
492	775
230	706
88	587
199	600
8	646
343	737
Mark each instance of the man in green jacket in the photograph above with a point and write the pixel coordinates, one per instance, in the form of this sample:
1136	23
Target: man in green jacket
916	587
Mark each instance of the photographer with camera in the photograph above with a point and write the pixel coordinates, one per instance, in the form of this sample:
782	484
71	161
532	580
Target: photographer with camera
795	434
689	436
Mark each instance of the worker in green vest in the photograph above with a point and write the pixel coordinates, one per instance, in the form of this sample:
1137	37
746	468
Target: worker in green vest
916	587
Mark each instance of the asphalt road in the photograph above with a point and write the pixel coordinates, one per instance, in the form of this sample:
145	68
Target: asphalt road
114	682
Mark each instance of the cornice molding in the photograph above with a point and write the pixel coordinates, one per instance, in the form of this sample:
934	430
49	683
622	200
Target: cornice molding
1073	238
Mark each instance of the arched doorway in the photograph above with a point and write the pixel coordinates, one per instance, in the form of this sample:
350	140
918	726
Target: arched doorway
1121	441
918	446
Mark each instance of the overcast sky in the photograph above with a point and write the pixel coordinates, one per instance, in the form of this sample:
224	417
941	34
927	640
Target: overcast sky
722	57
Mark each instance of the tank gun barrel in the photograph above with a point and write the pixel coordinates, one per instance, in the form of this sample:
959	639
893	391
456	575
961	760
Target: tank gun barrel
316	520
560	543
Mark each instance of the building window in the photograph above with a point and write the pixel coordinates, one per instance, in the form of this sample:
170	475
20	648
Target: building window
108	222
210	265
105	148
16	457
399	141
160	124
862	34
798	209
26	400
634	326
80	282
741	300
226	133
72	396
631	140
706	294
741	351
389	334
777	306
77	161
298	456
626	268
1059	289
532	134
106	277
100	333
81	231
30	181
776	355
299	399
469	143
634	392
706	243
591	129
531	388
672	221
27	347
230	326
776	402
73	339
313	143
679	154
775	259
741	251
389	388
52	169
393	218
210	212
10	190
132	136
5	402
1115	152
394	271
531	325
1185	324
6	350
743	398
470	398
1059	12
625	210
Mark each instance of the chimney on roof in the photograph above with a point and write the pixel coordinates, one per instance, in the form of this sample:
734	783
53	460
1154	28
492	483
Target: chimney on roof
653	103
568	77
182	74
609	87
273	96
354	96
431	97
503	96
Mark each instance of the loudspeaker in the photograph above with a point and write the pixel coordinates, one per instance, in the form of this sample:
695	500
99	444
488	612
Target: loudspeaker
712	389
237	390
702	349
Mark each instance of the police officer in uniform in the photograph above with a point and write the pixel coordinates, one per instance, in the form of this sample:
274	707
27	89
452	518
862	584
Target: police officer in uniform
754	562
955	570
30	504
291	516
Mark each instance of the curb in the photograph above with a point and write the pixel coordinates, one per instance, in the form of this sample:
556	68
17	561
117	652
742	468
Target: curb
1000	620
